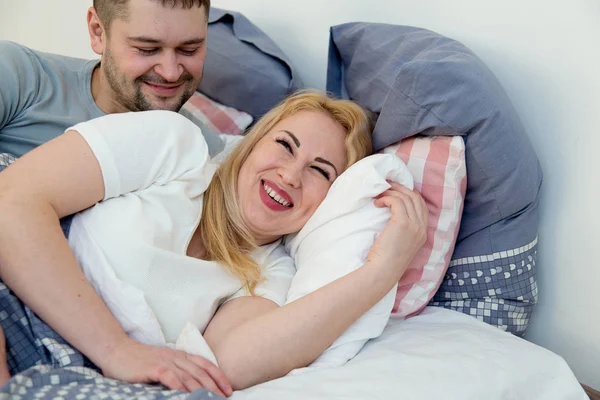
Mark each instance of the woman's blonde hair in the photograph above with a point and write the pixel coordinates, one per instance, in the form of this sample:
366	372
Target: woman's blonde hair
225	235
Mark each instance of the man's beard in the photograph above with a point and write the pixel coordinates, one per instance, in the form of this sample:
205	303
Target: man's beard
137	101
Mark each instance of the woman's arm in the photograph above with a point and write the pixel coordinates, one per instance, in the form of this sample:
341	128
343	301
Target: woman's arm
255	341
58	179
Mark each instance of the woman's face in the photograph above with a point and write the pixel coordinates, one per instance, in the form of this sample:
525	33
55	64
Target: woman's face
288	173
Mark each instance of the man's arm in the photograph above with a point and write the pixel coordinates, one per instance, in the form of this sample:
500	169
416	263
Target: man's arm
57	179
34	194
17	84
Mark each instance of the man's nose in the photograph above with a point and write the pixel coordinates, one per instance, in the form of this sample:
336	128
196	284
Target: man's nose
168	67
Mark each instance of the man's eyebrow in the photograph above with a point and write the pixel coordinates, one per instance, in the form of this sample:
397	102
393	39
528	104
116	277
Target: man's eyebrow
324	161
149	40
144	39
193	41
294	138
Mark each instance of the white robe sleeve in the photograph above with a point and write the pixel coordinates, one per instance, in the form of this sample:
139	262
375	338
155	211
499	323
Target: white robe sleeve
139	149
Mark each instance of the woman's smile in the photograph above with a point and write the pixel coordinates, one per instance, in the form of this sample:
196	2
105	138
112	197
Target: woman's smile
274	197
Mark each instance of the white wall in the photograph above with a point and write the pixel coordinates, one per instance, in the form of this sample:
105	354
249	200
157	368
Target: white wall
545	53
53	26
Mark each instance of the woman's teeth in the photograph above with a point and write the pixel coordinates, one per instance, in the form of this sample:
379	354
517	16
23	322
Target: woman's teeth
275	196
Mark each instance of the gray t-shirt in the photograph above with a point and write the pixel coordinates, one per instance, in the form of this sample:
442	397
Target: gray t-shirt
43	94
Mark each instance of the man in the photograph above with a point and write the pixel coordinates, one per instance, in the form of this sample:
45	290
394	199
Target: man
152	56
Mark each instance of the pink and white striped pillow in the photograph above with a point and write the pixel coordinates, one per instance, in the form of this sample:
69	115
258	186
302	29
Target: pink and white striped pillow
215	116
438	166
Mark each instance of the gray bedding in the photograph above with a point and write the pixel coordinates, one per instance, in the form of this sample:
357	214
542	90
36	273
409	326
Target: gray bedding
45	366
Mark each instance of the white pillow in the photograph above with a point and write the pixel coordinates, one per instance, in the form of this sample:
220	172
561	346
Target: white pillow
336	241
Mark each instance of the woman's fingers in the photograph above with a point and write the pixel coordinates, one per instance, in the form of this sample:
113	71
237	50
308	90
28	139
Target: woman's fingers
399	199
409	210
170	379
393	202
423	210
418	203
217	375
406	231
194	377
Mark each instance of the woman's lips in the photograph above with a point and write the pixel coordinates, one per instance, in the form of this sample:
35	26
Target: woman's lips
270	202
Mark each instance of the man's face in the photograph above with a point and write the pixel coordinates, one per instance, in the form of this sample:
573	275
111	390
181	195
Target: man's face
154	59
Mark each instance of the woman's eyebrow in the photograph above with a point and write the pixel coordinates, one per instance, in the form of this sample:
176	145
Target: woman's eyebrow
294	138
324	161
318	159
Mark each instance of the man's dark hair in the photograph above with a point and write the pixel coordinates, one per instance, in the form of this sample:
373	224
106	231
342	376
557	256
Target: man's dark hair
108	10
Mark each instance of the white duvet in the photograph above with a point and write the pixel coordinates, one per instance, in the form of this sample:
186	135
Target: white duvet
439	354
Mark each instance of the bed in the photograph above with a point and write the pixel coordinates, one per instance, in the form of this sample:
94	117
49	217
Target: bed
458	337
440	354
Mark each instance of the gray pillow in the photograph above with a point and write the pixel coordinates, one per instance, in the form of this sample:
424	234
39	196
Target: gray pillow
244	68
418	81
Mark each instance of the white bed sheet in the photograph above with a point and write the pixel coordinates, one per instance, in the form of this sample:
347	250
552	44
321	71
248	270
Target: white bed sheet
440	354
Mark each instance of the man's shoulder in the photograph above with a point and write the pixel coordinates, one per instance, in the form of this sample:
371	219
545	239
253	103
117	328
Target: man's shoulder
14	54
18	56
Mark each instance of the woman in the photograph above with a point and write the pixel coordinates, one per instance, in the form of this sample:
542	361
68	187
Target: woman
146	176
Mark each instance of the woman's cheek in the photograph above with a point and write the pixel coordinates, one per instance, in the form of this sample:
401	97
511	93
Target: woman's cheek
323	192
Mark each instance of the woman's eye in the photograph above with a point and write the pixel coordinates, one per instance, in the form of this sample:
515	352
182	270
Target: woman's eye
147	52
285	144
322	172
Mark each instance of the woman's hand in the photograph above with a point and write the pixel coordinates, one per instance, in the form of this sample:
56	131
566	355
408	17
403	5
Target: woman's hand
135	362
406	231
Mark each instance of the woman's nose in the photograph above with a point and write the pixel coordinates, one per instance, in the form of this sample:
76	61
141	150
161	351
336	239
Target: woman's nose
291	175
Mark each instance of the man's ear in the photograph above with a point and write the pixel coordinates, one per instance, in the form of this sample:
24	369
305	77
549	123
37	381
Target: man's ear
97	31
